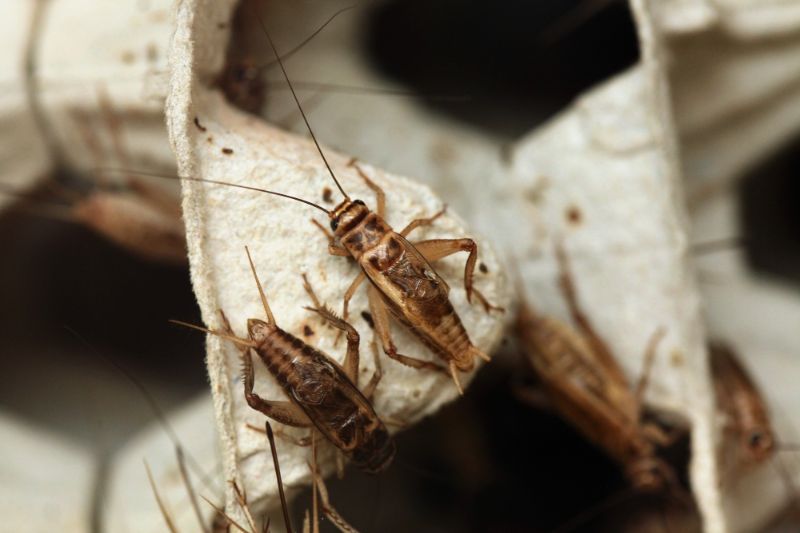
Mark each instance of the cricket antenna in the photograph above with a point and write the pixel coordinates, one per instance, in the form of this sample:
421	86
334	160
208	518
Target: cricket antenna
305	41
215	182
297	101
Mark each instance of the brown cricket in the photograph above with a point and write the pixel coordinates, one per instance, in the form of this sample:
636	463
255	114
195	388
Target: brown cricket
738	397
403	283
323	394
585	384
747	418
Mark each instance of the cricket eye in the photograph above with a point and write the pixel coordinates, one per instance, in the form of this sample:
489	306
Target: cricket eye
334	223
756	439
358	202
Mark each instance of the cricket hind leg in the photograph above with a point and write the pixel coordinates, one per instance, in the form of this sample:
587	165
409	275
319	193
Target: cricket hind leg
381	318
435	249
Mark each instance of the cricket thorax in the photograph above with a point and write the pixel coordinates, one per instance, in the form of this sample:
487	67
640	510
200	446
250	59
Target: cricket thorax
366	233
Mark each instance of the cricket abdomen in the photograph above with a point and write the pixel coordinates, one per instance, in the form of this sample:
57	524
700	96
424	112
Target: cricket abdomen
330	400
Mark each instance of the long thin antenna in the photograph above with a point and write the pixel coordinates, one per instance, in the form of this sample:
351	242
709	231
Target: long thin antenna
215	182
300	107
162	507
151	401
305	41
367	91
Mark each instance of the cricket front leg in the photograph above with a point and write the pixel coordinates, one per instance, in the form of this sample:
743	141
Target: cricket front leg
379	194
284	412
351	359
334	248
436	249
380	316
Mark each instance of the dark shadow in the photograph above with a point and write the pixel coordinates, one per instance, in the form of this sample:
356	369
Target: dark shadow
768	200
509	57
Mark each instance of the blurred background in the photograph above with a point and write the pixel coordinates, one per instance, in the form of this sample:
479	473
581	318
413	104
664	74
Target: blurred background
84	322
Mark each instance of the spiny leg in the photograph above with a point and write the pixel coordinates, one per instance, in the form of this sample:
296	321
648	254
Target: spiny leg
351	360
284	412
418	222
380	195
598	345
436	249
241	500
333	247
381	318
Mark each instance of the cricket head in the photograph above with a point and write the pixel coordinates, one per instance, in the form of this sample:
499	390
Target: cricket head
257	330
347	215
759	443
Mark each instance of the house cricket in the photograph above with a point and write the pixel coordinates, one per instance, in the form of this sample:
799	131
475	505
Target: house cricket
222	521
323	395
403	283
586	385
747	419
